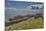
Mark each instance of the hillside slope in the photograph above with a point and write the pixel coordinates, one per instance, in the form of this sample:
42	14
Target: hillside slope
31	23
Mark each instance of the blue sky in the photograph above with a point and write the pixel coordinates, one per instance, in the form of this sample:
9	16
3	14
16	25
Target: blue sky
29	0
16	4
21	4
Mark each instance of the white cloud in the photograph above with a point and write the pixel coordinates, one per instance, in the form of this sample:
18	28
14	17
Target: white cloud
29	7
36	5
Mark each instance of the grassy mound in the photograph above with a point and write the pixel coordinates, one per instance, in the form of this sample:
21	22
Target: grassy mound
28	24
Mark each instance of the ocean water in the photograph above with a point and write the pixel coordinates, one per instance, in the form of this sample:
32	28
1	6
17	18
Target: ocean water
10	13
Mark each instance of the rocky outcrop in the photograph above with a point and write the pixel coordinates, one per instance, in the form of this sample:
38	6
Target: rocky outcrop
18	19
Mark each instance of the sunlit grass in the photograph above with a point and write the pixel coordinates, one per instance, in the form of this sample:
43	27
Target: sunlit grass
28	24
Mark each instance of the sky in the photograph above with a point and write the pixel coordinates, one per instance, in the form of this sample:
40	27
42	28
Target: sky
28	0
18	4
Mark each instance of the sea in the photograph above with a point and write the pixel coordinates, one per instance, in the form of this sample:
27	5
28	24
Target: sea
10	13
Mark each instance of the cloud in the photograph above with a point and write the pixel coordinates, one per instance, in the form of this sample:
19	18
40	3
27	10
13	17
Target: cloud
29	7
36	5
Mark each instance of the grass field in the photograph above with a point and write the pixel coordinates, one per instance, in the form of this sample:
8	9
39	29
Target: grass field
28	24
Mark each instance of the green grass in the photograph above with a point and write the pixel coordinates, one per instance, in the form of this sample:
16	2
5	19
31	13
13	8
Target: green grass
28	24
